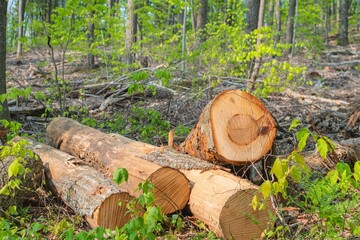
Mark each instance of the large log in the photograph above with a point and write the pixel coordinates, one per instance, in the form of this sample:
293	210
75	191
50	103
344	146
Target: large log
86	191
30	181
218	198
235	127
107	153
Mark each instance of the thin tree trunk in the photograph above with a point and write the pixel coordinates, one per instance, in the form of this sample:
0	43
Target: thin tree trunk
252	15
48	11
4	113
270	16
327	23
278	20
20	29
200	22
131	27
90	39
338	7
344	22
183	43
290	23
255	72
294	30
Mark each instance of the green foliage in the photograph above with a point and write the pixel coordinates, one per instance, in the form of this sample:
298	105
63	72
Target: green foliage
16	169
330	201
145	124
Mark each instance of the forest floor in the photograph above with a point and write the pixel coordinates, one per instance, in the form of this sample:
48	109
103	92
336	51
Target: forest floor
331	104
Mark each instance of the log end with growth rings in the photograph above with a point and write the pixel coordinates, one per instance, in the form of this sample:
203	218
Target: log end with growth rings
172	189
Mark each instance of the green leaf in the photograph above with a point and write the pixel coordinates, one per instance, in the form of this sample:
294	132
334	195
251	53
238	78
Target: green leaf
357	171
322	147
255	202
295	123
278	169
343	168
333	176
265	189
295	173
3	97
302	136
121	175
5	190
15	168
12	210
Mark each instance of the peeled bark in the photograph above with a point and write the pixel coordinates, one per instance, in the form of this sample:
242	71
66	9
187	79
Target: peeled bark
107	153
233	128
82	188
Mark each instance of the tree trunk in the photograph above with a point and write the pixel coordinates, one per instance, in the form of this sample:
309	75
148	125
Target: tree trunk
234	128
218	198
201	17
4	113
290	23
338	13
48	11
90	39
20	28
256	69
107	153
270	15
82	188
130	35
278	20
252	15
344	22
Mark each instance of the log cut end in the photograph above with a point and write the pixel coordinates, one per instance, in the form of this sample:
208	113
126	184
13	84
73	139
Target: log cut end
172	189
233	128
112	212
238	220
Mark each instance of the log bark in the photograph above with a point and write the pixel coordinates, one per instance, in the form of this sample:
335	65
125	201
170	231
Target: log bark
218	198
29	182
347	151
233	128
86	191
107	153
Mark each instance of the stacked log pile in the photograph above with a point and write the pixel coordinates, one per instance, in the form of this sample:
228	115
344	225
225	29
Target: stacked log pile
234	128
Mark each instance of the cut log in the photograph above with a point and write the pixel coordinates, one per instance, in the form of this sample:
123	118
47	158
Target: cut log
233	128
223	202
86	191
107	153
218	198
29	181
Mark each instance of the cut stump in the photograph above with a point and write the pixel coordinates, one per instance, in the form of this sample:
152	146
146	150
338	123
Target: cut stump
107	153
235	127
85	190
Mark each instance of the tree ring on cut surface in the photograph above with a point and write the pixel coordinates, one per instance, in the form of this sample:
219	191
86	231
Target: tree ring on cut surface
242	129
